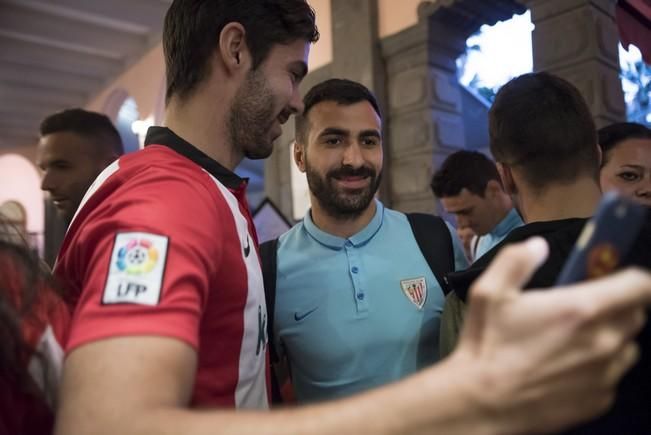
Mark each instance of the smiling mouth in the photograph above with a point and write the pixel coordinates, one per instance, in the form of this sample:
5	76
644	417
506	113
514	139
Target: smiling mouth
353	182
60	202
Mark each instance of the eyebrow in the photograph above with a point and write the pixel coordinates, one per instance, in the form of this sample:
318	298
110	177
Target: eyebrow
370	133
638	167
334	132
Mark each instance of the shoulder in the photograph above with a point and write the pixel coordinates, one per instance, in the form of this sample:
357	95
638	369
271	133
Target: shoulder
154	184
294	234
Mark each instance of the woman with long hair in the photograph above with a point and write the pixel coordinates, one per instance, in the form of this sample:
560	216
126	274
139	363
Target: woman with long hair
33	321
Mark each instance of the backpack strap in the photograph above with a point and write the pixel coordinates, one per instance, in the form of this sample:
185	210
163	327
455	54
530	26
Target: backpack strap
268	257
435	243
475	245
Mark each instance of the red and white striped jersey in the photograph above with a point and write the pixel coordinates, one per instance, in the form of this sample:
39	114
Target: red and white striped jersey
163	244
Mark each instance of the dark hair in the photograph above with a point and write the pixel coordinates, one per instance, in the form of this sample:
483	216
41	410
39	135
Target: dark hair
341	91
542	123
613	134
24	282
93	125
192	28
470	170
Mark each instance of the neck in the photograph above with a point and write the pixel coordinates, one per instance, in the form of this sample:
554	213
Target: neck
576	200
203	124
504	206
341	227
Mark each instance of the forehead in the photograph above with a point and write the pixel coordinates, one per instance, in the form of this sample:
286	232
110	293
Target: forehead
63	145
351	117
465	199
632	151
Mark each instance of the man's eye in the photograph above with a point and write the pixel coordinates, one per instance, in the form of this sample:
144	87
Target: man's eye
333	141
296	78
370	141
629	176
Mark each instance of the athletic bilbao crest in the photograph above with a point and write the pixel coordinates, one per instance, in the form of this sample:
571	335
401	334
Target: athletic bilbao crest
416	290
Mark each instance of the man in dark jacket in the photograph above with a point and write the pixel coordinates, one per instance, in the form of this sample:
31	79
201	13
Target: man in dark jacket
544	141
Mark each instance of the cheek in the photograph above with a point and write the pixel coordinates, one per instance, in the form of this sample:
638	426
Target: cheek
282	91
609	180
375	159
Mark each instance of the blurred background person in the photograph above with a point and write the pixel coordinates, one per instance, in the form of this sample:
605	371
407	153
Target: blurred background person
75	146
33	323
469	187
626	160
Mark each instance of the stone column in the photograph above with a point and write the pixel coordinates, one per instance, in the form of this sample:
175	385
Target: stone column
424	106
277	168
357	56
53	233
577	40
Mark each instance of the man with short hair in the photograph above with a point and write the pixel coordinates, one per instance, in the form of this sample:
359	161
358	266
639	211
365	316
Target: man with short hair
75	146
544	140
161	261
469	187
352	261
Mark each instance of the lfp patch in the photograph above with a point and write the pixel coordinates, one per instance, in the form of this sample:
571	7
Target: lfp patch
137	268
416	290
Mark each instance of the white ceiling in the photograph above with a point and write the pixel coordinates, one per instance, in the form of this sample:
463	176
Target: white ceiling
56	54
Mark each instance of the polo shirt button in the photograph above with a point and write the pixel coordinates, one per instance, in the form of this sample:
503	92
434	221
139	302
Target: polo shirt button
354	269
349	244
360	296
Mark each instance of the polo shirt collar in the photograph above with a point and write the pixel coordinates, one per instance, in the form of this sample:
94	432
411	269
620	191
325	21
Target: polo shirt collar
166	137
358	239
505	226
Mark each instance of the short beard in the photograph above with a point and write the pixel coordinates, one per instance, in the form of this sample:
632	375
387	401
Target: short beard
336	204
251	116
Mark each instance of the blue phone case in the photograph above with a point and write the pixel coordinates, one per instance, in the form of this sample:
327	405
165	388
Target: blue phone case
605	239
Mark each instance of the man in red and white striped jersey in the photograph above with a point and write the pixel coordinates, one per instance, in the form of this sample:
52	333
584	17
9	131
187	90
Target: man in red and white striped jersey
161	260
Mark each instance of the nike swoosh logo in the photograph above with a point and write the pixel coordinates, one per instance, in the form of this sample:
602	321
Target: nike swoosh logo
299	317
247	250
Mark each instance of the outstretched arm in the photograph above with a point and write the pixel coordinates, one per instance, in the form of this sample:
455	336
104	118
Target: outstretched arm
526	363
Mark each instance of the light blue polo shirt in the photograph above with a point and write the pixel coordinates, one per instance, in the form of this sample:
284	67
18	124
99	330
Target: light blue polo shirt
352	314
498	233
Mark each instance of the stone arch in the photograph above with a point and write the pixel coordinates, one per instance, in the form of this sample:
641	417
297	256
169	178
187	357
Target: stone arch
20	184
122	108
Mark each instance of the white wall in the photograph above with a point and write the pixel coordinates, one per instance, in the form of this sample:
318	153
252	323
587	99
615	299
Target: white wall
20	181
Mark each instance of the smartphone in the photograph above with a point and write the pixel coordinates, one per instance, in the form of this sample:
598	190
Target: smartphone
605	240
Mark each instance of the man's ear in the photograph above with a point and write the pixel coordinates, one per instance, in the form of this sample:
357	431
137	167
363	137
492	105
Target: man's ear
233	49
299	156
507	179
493	189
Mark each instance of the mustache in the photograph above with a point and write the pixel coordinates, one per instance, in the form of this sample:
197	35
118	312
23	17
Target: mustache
349	171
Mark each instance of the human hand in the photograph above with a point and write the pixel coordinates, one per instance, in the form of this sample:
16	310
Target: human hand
547	359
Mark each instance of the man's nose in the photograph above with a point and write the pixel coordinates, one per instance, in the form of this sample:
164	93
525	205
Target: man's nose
353	156
296	105
644	191
47	183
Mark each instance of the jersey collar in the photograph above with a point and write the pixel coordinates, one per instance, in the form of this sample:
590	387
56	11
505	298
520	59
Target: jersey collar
166	137
356	240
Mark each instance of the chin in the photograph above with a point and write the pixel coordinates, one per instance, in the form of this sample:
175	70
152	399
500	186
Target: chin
259	153
66	216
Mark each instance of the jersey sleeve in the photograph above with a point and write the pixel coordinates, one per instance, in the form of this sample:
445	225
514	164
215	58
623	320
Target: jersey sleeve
460	260
143	259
